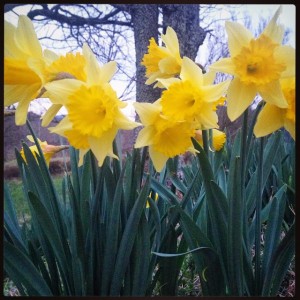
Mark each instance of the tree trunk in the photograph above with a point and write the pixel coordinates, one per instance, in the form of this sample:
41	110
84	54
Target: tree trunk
184	19
145	25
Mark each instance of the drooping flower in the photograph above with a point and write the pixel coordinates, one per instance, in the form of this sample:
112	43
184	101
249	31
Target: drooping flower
272	117
193	97
257	65
94	110
22	52
162	62
48	150
165	137
218	138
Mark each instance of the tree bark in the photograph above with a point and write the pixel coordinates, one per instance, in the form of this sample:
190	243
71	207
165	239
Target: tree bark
145	25
184	19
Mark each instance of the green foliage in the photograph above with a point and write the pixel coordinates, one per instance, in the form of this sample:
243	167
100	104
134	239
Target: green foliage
93	235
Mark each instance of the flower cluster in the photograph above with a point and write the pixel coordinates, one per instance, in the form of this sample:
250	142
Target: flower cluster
75	81
188	101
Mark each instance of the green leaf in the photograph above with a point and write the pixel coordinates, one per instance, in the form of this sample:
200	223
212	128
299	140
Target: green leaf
178	254
22	271
127	240
279	263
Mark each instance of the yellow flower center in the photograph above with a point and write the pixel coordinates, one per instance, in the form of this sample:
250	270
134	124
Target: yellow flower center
182	101
17	72
72	64
92	110
171	138
256	64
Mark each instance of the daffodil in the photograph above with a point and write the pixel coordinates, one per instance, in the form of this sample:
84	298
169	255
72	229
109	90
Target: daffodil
163	62
218	138
273	117
193	97
257	65
22	53
48	150
71	65
165	137
94	110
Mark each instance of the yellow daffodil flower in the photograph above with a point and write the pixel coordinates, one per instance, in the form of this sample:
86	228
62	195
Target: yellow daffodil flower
165	137
62	67
162	62
218	141
94	111
22	53
257	65
48	150
193	97
273	117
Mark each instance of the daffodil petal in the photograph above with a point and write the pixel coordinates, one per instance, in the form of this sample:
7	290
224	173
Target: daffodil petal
108	70
103	146
145	137
82	153
239	97
10	48
208	117
168	65
21	112
224	65
209	77
159	160
171	41
62	126
272	93
273	31
214	92
50	114
269	120
17	93
147	112
123	122
190	71
291	128
238	37
286	55
26	38
50	56
168	81
59	90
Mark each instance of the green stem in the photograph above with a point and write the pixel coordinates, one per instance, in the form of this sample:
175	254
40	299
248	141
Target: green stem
258	216
205	141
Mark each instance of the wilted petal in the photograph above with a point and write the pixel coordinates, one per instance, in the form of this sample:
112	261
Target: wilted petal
269	120
239	97
238	37
272	93
159	160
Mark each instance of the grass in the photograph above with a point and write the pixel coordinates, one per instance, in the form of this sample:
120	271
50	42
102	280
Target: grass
19	198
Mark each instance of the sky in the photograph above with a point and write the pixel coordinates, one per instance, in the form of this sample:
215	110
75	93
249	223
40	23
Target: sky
287	19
